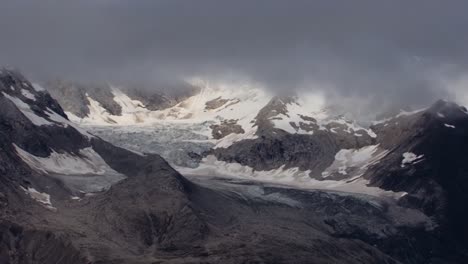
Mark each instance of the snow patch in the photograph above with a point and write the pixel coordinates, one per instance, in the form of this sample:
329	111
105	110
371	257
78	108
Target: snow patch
86	172
28	94
42	198
355	160
310	105
402	113
65	122
38	87
41	121
26	110
293	177
351	126
232	138
87	162
409	113
410	158
449	126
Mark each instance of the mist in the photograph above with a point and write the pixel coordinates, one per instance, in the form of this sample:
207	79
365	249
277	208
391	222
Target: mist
375	54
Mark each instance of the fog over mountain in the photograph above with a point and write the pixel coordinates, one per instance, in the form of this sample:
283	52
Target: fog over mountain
383	54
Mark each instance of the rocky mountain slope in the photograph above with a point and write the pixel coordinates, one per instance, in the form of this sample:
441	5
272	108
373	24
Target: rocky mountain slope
66	193
81	99
68	196
297	141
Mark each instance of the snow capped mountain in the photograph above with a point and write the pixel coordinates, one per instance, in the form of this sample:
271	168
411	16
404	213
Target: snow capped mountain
224	126
283	168
56	176
227	112
48	143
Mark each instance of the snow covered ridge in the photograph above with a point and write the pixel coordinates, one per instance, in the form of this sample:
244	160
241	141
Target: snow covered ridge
193	109
219	103
212	105
307	114
402	113
27	111
33	101
52	117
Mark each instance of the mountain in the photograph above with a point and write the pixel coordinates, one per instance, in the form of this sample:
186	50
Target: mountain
218	115
70	197
99	102
278	180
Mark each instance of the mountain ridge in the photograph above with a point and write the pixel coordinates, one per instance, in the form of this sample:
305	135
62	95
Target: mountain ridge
154	214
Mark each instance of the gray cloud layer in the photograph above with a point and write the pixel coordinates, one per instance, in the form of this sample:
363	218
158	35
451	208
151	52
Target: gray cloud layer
385	50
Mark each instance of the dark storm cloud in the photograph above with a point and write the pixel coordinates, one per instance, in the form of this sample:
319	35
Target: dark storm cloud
383	50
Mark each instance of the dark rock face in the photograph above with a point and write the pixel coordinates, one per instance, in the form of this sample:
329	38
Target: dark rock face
271	152
226	127
437	184
19	245
154	99
74	96
274	147
215	103
219	102
61	234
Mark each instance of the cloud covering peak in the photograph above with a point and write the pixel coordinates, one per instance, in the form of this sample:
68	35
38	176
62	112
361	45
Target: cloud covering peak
394	53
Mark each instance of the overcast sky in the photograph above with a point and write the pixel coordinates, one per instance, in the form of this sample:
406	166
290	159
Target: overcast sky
399	51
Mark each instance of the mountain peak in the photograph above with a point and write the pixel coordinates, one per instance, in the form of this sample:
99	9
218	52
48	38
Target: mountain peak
31	99
447	109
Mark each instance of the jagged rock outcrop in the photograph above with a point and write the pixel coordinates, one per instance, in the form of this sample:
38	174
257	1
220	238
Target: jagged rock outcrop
76	96
428	160
226	127
274	147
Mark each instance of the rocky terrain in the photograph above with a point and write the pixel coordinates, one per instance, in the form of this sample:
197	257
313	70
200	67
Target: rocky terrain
392	193
77	96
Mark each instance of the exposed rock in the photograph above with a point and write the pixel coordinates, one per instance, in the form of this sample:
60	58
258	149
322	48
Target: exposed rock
437	183
155	99
275	147
226	127
215	103
74	96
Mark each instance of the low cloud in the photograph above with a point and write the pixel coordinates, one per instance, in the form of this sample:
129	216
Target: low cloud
388	54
